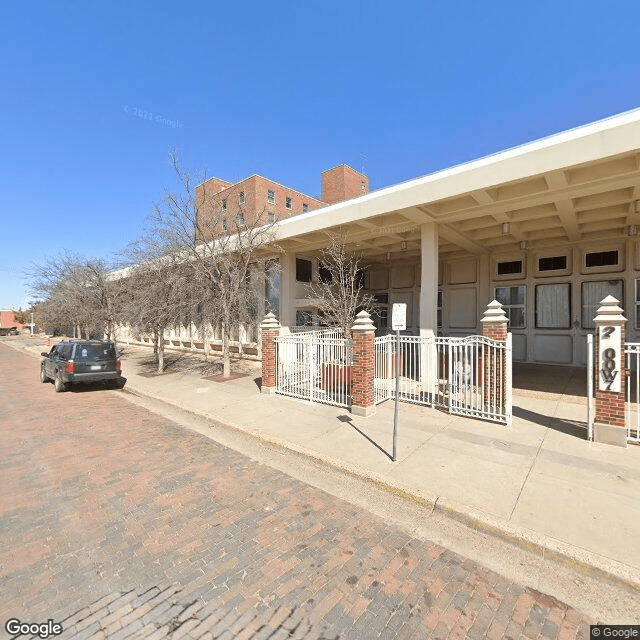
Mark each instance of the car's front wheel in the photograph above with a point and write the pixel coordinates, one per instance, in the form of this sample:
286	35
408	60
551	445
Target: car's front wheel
59	384
43	376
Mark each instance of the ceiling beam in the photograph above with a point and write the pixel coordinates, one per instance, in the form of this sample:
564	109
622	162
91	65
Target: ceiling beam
568	218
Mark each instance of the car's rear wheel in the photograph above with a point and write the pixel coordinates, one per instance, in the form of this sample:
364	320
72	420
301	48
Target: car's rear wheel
43	376
59	385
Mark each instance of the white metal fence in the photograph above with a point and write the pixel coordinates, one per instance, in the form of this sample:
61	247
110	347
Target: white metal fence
315	366
632	405
468	376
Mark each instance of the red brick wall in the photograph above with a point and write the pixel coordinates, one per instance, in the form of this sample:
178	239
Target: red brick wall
495	331
269	357
256	206
364	365
610	406
342	183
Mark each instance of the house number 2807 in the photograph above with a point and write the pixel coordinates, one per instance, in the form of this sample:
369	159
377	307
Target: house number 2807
609	358
608	371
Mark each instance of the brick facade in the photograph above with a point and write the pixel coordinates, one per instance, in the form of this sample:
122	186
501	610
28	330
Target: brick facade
610	406
364	366
494	326
270	331
343	183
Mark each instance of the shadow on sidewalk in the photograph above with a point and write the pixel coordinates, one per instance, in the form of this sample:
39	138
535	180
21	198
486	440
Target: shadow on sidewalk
574	428
347	419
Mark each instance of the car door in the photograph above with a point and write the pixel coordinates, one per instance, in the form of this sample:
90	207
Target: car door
46	361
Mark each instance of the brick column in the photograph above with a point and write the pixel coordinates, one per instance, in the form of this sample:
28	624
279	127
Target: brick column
494	326
610	378
364	364
270	331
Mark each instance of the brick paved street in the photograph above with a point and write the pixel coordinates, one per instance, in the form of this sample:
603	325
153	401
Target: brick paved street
120	523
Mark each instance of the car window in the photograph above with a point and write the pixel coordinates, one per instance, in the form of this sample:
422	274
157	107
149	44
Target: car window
94	351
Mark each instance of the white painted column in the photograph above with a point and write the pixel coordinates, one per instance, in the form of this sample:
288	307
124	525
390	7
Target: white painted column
429	279
428	305
287	289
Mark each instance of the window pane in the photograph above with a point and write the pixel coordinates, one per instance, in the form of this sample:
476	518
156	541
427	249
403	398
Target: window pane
592	294
552	264
517	295
601	259
505	268
553	306
303	270
503	295
516	318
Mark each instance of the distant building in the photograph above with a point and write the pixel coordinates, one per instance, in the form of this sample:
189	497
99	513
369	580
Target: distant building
257	198
8	320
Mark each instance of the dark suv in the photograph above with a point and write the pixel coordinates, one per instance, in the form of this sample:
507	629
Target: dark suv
73	361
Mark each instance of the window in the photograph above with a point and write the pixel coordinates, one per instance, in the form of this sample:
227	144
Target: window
289	202
506	268
271	196
224	204
325	274
271	217
553	306
439	310
601	259
305	207
303	270
380	314
241	218
241	197
303	319
592	295
224	224
512	300
554	263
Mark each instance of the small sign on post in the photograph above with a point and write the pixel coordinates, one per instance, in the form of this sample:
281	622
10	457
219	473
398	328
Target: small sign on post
399	316
398	324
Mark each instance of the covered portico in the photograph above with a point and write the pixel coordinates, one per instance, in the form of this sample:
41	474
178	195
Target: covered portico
548	227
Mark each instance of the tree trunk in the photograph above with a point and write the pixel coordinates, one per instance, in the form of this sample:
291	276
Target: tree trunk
226	356
160	351
155	343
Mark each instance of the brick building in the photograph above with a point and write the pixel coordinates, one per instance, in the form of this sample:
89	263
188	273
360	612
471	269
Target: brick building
257	198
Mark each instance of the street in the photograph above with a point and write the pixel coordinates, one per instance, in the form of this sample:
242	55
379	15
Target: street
118	523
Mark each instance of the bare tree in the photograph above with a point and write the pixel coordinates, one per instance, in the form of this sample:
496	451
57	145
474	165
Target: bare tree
224	248
339	292
76	292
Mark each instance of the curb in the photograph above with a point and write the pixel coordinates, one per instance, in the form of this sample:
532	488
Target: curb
573	557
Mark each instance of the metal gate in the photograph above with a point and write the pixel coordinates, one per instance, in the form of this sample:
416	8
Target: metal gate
315	366
632	405
468	376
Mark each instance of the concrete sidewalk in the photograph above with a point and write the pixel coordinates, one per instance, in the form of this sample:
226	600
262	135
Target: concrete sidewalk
538	483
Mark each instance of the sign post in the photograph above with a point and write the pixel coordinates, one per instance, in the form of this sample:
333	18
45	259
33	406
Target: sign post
398	324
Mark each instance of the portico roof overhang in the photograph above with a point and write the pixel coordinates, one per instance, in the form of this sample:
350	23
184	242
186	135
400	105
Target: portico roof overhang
575	186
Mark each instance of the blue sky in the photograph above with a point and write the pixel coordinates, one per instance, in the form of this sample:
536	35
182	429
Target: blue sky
284	89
